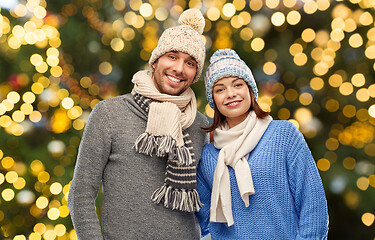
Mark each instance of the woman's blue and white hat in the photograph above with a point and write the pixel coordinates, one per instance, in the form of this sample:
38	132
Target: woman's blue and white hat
226	63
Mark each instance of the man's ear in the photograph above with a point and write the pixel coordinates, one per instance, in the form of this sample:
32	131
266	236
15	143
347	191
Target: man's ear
153	65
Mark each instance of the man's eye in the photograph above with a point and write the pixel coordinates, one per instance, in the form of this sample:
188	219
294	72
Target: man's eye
192	64
172	57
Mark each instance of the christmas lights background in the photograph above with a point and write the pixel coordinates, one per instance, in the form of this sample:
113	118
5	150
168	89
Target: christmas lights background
313	61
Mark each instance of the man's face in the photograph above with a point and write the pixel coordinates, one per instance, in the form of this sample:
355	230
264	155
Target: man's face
174	72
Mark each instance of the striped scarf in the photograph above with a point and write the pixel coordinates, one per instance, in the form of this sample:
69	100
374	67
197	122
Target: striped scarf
165	136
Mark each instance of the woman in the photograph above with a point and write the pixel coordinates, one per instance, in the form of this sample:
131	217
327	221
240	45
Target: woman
258	179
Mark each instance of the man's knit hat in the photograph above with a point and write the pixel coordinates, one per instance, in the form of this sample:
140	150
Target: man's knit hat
185	38
226	63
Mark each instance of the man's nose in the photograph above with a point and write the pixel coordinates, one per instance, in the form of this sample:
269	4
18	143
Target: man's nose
179	66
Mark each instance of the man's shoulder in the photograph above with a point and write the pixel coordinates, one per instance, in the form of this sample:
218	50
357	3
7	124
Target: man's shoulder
201	119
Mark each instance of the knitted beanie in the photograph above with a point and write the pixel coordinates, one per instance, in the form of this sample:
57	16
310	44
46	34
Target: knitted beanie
226	63
185	38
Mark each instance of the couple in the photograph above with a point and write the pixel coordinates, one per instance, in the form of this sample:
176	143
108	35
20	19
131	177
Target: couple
256	180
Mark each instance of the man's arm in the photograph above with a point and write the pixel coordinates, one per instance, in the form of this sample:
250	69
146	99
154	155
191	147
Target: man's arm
92	157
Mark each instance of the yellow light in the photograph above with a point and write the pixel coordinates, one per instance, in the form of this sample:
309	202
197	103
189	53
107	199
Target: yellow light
283	114
278	19
30	26
305	99
64	211
56	188
366	19
40	12
323	164
256	5
34	236
308	35
332	105
269	68
117	44
295	49
310	7
246	17
2	109
335	80
18	116
291	94
78	124
5	121
323	4
52	61
35	116
161	14
293	17
289	3
363	95
17	130
19	237
257	44
371	110
19	183
42	68
18	31
316	83
349	163
13	97
36	59
7	162
7	105
337	35
368	219
370	52
272	3
358	80
2	178
363	183
56	71
209	111
229	10
28	97
146	10
11	176
236	22
7	194
60	121
67	103
20	10
371	34
300	59
41	203
43	177
246	34
239	4
332	144
50	234
346	88
53	213
350	25
40	228
60	230
349	111
355	41
338	23
105	68
135	4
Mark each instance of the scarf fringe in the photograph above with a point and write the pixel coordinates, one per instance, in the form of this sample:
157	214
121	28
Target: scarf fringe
177	199
163	146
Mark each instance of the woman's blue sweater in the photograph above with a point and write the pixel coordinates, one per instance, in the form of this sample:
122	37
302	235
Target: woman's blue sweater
289	200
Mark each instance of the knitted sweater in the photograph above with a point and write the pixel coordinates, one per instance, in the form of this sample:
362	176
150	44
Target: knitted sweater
128	178
289	200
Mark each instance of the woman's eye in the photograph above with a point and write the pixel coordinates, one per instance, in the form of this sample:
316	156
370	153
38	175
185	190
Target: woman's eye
219	90
238	85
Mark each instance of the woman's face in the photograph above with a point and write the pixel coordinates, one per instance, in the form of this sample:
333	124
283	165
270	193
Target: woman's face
232	99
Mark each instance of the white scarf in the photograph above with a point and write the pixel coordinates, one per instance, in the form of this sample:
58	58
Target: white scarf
168	114
235	143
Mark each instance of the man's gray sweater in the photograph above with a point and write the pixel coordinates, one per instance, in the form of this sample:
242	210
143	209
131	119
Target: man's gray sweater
128	178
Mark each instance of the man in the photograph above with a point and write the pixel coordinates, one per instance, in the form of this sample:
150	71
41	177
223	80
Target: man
144	147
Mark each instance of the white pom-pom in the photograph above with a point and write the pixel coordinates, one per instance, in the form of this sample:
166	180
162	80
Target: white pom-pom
194	18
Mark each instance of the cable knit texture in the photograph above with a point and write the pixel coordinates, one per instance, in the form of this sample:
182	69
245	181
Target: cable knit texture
289	202
185	38
128	178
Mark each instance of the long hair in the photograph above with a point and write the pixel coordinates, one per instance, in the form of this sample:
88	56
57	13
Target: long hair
219	118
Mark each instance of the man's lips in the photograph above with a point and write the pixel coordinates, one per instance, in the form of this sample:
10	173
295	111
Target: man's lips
233	103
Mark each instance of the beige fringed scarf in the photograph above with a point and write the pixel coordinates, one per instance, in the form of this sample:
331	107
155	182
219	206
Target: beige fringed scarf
236	144
168	117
